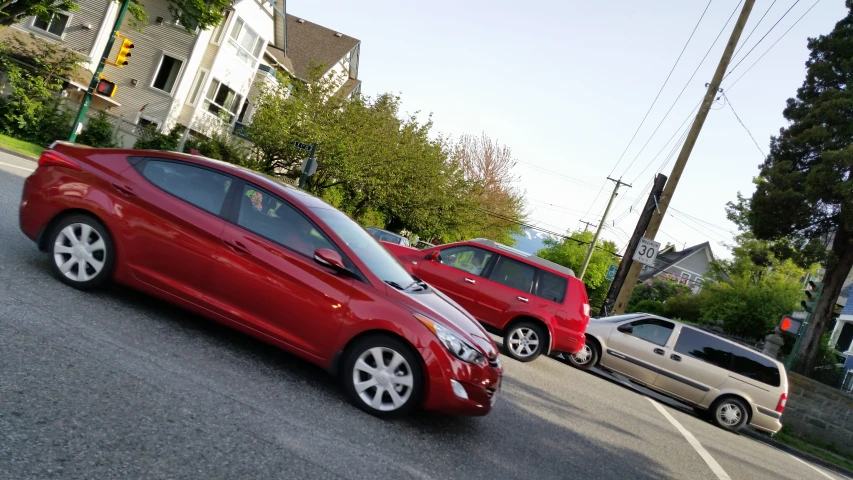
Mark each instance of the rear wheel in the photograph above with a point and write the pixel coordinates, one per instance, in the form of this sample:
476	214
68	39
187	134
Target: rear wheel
383	376
586	358
730	414
81	251
524	341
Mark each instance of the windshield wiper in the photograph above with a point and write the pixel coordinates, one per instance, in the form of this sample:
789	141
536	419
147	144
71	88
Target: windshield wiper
418	283
394	284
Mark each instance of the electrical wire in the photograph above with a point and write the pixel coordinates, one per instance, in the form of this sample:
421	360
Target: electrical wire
761	39
744	126
754	29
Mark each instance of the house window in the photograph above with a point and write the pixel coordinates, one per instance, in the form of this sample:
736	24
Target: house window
56	25
144	123
200	78
222	101
167	73
685	277
245	43
218	31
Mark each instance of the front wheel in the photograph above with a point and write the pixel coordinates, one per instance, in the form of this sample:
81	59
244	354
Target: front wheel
585	359
383	376
524	341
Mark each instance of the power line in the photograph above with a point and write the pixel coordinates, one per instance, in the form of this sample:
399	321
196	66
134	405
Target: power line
761	39
661	88
744	126
723	229
715	237
774	44
754	28
563	176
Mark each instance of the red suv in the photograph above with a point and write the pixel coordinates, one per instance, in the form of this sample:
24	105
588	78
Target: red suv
264	258
539	306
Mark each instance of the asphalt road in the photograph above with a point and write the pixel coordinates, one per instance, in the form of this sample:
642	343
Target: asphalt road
114	384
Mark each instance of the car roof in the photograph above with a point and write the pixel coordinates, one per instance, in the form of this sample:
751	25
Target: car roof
526	256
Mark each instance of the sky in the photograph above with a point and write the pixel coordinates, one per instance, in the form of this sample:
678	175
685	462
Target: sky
566	84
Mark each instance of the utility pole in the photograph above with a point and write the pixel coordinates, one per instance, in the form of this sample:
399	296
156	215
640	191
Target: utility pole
87	98
587	225
686	149
646	215
601	224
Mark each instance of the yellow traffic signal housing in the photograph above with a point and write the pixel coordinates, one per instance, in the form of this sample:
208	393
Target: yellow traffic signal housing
124	52
106	87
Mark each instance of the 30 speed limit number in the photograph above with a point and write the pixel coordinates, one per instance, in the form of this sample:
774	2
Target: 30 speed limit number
647	252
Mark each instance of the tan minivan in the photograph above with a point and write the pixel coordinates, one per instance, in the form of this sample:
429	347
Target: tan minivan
731	384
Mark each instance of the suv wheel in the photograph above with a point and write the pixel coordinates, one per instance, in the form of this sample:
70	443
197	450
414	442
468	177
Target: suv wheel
586	358
81	251
383	377
524	341
730	414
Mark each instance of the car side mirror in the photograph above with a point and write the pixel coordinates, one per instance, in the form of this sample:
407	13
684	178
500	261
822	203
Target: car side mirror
433	256
627	329
329	258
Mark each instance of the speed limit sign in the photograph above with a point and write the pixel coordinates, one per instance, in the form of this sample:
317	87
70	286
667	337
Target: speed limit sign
647	252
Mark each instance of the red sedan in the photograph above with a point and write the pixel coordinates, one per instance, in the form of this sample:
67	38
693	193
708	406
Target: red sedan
267	259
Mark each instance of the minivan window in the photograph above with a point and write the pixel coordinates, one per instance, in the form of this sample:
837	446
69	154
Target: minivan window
716	351
551	287
201	187
466	258
513	274
651	330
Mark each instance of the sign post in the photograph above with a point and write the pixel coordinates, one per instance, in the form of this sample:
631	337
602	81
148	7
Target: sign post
309	165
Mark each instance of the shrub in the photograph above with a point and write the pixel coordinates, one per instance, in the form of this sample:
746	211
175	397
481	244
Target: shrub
684	306
653	307
98	132
219	147
151	139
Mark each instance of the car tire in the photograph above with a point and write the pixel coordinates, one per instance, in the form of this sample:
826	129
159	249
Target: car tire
730	414
586	358
524	341
80	243
394	388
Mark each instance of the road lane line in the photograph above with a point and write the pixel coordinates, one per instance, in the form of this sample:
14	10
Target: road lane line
16	166
715	467
812	467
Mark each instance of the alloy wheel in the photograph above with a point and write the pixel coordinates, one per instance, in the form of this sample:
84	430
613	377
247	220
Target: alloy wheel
584	356
729	414
523	342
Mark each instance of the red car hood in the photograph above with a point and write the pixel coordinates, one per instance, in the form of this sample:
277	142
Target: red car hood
442	309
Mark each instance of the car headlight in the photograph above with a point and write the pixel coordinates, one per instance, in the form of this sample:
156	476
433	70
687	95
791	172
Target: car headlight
456	346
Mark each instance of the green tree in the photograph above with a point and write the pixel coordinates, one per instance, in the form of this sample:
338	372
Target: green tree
804	188
98	132
571	251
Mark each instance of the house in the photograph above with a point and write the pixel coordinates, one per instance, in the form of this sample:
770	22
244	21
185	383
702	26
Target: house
205	80
688	266
842	335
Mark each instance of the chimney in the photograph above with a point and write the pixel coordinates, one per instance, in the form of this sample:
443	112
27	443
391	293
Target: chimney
280	25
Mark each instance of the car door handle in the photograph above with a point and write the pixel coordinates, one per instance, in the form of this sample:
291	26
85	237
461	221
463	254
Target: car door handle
471	280
237	246
522	299
659	351
675	357
124	189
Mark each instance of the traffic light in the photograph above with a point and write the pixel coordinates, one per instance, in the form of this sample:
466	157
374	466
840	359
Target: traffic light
813	294
790	325
123	52
105	87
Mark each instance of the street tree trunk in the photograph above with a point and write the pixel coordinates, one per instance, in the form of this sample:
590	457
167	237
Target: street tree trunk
837	269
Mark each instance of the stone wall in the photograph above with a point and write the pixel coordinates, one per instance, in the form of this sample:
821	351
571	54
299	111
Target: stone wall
820	412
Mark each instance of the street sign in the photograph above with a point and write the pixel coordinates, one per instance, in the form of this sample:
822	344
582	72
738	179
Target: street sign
309	166
647	252
611	272
302	146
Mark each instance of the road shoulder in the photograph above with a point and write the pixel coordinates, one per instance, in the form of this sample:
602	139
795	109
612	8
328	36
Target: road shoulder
767	440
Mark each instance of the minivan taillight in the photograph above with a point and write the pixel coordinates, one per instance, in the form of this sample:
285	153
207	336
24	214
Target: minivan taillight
782	401
586	310
50	158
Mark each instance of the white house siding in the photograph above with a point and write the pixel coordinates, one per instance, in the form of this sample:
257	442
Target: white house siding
76	36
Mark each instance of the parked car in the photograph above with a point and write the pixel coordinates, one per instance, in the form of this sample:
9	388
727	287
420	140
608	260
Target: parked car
264	258
731	384
386	236
538	306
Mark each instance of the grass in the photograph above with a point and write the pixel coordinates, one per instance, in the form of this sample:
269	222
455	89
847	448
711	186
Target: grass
20	146
822	450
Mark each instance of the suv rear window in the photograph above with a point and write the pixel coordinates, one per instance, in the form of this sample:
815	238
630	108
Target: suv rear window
713	350
551	287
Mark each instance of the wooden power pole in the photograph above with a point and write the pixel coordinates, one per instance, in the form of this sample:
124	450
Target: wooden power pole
646	214
589	252
686	149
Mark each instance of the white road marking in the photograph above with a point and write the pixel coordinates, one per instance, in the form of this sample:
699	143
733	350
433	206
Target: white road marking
715	467
17	166
812	467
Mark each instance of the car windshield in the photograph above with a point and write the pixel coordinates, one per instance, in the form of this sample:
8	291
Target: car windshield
374	255
619	318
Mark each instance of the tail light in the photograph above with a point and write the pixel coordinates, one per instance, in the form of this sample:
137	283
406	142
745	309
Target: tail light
586	310
51	158
780	407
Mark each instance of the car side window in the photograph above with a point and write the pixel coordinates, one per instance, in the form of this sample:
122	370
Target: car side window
201	187
651	330
268	216
551	287
513	274
466	258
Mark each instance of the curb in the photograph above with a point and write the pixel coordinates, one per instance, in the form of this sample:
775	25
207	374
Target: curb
18	154
765	439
